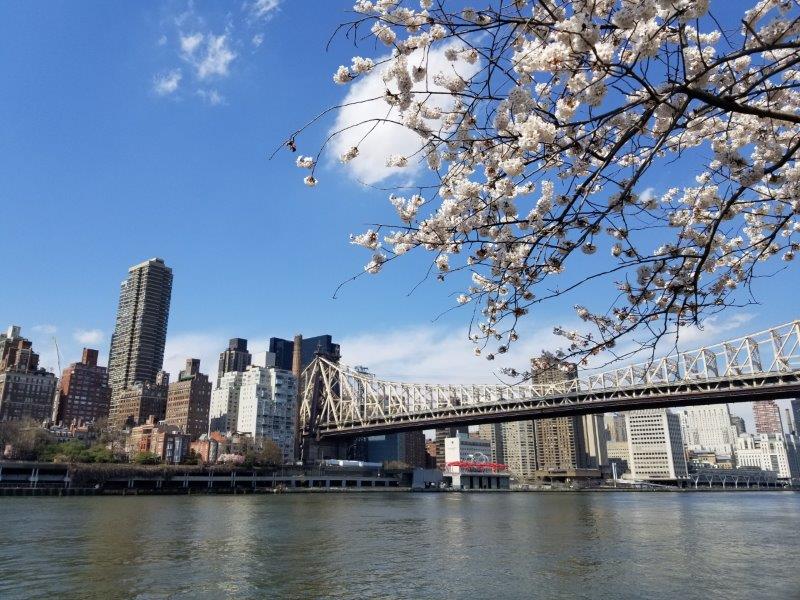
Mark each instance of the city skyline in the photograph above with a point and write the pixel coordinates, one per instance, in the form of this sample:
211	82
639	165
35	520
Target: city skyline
400	298
192	184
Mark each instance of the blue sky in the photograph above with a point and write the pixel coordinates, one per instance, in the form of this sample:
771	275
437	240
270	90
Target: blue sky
107	158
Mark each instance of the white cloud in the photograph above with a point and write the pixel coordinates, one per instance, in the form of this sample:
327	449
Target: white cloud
387	139
218	56
162	41
263	9
167	83
438	355
190	43
88	336
213	97
257	40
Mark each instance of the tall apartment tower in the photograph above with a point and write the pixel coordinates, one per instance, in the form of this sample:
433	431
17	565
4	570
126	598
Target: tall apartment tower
137	345
767	416
566	443
83	395
493	433
235	358
518	444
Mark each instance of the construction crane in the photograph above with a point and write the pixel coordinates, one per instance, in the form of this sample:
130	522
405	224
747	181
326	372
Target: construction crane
58	355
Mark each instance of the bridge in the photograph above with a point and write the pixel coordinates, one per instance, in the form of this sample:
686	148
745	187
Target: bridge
340	402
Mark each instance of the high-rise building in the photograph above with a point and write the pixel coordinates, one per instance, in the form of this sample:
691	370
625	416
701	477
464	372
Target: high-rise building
767	416
83	394
518	446
493	433
235	358
224	411
137	345
708	428
26	391
565	443
615	427
188	400
795	405
738	424
655	445
791	426
267	407
309	347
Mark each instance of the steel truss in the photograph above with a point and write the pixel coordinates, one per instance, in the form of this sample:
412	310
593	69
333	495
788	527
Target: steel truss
339	401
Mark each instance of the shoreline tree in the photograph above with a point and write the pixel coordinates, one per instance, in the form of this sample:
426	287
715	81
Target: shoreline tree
538	155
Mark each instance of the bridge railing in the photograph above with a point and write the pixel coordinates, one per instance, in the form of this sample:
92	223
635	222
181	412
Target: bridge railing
350	396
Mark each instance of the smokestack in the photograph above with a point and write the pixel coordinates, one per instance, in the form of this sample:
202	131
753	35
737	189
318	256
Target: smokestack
297	368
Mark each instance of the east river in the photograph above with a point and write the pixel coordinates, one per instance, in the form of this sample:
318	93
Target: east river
403	545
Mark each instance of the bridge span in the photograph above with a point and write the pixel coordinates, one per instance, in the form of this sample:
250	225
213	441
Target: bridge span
340	402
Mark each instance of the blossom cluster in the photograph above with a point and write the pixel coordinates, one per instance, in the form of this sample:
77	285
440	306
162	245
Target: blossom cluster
542	155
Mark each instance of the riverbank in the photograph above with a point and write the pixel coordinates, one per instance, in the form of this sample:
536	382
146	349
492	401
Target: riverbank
53	479
72	492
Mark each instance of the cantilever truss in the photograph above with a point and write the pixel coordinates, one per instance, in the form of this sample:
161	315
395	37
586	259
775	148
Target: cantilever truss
339	401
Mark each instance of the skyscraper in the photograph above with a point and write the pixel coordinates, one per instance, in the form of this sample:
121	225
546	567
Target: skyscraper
518	447
284	350
795	404
655	445
137	345
493	433
566	443
224	412
235	358
83	394
708	428
738	424
267	408
188	400
767	416
615	427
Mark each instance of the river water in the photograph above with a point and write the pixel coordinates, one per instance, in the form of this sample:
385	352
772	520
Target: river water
402	545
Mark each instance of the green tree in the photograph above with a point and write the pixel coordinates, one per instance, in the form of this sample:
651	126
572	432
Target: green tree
146	458
27	438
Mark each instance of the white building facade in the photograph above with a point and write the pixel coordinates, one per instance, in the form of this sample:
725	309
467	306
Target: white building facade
224	410
770	452
468	449
655	445
266	407
708	428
